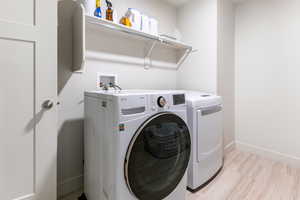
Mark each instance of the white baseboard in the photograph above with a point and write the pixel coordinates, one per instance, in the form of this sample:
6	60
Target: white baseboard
69	186
229	147
276	156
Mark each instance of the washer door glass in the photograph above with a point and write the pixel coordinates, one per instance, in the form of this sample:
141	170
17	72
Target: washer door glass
158	157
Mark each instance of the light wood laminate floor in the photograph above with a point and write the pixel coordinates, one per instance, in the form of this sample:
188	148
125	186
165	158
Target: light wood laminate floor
246	176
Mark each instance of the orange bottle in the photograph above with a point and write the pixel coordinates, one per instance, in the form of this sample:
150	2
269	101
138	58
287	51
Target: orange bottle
126	21
109	11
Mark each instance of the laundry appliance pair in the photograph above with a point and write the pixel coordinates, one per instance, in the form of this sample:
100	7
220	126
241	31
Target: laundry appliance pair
137	145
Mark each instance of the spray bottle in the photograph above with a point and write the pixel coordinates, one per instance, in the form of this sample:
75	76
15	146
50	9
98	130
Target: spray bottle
98	11
109	11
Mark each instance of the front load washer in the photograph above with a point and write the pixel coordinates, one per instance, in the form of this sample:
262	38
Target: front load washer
137	145
206	126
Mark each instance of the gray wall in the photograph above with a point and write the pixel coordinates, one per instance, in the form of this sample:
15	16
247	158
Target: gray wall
226	66
209	26
197	22
267	78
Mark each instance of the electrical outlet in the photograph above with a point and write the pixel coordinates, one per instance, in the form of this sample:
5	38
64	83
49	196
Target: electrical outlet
106	79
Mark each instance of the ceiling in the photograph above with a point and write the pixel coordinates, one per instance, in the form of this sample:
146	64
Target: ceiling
237	1
180	2
177	2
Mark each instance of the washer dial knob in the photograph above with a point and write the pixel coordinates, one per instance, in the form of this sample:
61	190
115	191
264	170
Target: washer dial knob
161	101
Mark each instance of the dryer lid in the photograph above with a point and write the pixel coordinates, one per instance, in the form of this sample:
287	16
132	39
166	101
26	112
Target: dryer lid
200	100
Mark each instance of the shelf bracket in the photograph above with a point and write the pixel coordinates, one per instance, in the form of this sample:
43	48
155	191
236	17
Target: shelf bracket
148	63
184	57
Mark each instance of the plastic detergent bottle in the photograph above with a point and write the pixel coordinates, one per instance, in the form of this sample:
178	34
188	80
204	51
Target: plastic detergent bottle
135	18
126	21
98	11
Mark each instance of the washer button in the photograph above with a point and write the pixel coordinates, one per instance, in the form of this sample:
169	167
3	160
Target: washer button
161	101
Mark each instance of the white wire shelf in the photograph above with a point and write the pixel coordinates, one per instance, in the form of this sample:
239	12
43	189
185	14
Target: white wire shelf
80	21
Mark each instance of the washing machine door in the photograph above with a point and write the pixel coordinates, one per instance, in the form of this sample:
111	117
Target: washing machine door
157	157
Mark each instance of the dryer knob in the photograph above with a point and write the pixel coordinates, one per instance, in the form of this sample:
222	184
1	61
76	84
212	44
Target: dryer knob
161	101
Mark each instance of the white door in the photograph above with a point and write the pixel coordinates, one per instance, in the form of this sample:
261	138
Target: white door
28	133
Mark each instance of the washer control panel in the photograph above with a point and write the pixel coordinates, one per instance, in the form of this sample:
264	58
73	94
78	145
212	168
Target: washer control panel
163	102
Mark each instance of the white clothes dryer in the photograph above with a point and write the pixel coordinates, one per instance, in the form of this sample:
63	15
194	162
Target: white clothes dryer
206	126
137	145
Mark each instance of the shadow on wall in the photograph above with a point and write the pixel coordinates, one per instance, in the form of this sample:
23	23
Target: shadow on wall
124	49
65	10
69	137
